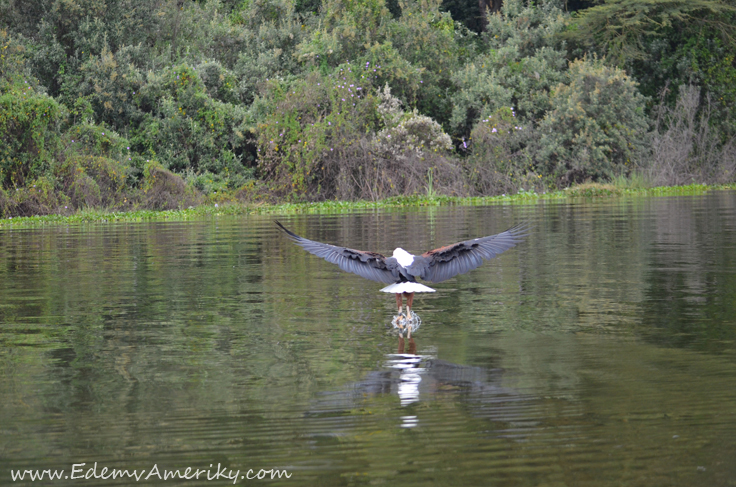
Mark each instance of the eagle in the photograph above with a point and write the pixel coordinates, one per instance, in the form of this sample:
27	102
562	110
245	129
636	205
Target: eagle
401	270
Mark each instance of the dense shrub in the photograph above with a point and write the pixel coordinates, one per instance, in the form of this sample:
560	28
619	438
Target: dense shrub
497	161
188	131
523	60
93	181
527	53
436	47
407	133
702	58
596	126
110	83
164	190
310	119
14	65
331	137
38	197
30	123
479	91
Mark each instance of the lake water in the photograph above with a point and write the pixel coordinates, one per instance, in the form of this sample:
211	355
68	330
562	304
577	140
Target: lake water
598	352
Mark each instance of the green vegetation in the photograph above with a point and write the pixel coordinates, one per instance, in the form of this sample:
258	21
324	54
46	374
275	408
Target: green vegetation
117	106
622	188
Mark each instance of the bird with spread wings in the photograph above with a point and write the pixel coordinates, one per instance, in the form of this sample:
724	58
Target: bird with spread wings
402	269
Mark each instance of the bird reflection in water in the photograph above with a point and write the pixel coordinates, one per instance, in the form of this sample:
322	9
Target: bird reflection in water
412	346
420	378
409	365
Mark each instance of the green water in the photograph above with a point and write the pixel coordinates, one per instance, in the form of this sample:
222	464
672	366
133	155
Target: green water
599	352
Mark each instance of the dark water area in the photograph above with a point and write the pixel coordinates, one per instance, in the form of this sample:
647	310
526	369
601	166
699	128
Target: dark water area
598	352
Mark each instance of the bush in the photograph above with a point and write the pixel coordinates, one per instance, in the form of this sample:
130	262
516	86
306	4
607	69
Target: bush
272	34
596	128
14	65
305	122
30	124
164	190
523	61
497	162
433	45
319	140
38	197
359	171
93	181
111	84
186	130
347	27
479	91
407	133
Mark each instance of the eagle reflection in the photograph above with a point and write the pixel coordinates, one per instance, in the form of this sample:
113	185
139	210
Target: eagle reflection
422	377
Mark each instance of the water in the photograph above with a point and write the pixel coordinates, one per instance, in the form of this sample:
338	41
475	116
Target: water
599	352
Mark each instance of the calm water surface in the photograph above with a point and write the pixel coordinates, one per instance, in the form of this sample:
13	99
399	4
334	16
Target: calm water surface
599	352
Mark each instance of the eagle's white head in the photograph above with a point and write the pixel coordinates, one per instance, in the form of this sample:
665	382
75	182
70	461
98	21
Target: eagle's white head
403	257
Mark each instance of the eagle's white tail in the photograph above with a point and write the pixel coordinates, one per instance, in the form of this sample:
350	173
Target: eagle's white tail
407	287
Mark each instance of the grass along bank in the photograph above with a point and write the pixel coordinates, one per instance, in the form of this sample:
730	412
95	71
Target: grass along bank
584	191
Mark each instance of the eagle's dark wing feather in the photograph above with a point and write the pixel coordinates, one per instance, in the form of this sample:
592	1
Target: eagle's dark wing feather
365	264
451	260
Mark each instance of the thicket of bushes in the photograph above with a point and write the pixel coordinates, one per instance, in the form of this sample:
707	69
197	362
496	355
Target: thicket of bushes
166	103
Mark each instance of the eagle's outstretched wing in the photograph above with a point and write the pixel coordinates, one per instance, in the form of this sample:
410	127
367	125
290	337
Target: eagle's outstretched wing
445	262
370	265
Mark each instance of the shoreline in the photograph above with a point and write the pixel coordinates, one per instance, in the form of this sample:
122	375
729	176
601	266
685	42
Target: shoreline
588	191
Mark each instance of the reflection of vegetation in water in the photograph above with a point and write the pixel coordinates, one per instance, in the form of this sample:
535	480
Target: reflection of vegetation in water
690	297
185	342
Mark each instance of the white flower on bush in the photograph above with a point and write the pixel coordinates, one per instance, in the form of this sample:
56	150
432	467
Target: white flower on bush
407	132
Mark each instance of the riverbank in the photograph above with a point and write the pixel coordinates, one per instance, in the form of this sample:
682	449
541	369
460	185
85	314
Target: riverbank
589	191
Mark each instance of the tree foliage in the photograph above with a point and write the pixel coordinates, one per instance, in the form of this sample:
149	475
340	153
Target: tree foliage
315	99
621	28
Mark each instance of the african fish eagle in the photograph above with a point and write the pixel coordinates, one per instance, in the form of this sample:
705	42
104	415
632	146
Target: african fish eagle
401	270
